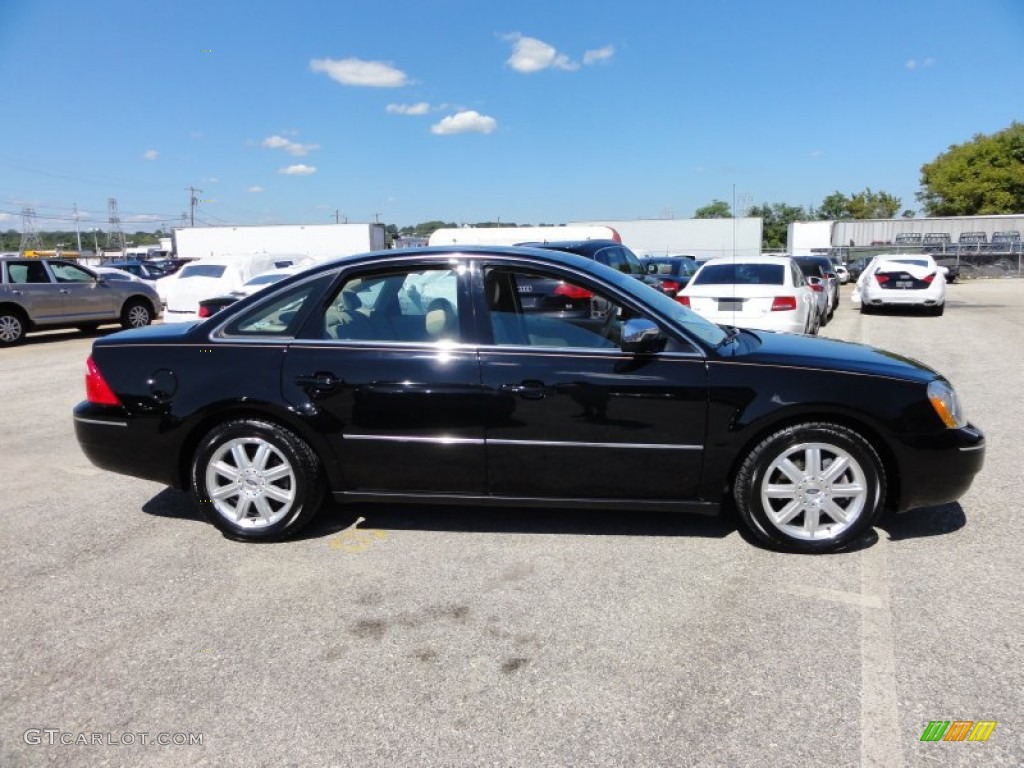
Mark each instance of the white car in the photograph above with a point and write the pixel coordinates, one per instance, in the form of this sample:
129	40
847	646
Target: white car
901	280
767	293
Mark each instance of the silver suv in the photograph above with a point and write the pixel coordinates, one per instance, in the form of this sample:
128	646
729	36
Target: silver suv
40	294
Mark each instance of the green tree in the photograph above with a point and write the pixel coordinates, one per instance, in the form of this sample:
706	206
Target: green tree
982	176
835	206
716	209
873	205
775	221
859	205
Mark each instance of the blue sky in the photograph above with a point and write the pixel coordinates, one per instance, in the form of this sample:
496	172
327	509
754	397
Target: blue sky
460	110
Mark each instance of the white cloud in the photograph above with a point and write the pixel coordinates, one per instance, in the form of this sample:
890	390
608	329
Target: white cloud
289	146
816	153
469	121
914	63
600	54
531	55
298	170
372	74
6	217
254	189
151	154
420	108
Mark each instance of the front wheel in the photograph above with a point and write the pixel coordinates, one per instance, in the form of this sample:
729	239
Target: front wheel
256	481
810	488
136	314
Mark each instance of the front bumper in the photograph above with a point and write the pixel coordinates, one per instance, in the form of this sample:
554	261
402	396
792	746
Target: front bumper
939	471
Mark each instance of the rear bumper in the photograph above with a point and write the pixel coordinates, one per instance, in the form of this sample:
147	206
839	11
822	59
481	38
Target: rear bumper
119	443
940	471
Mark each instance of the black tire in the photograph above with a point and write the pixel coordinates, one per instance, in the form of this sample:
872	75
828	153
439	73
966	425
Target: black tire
12	327
810	509
279	480
136	313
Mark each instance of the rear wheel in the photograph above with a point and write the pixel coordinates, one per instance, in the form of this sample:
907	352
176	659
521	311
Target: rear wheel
12	327
810	488
256	481
136	314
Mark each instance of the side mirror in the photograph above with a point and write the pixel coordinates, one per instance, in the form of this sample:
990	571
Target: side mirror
639	335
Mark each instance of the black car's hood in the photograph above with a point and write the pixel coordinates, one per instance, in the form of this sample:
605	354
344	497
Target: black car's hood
824	354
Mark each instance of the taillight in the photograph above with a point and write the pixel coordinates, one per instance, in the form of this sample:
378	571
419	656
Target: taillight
204	311
929	278
96	388
816	287
571	291
684	300
783	303
670	286
882	279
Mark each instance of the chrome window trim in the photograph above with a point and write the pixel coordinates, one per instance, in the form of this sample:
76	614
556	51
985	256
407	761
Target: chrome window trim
520	349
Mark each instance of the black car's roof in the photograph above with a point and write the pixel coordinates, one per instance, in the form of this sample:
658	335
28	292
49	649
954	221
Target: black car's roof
584	247
440	252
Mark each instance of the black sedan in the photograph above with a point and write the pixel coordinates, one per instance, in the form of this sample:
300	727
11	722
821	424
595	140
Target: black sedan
419	376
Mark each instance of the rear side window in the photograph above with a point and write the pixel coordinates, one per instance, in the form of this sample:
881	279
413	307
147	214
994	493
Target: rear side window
279	316
741	274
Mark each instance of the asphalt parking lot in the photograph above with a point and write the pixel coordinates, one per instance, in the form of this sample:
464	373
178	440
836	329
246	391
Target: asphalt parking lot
470	637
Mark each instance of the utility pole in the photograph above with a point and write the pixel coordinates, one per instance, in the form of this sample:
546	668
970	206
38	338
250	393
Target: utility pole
78	235
29	236
192	202
376	218
115	237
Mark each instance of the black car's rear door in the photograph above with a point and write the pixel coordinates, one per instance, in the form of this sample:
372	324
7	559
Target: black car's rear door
386	374
572	416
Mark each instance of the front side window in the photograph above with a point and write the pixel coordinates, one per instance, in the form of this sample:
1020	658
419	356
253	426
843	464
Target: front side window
70	273
405	305
541	310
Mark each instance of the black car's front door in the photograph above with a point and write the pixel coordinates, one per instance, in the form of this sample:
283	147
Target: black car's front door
575	417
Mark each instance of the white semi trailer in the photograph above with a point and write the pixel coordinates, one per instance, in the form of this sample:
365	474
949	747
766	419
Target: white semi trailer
313	241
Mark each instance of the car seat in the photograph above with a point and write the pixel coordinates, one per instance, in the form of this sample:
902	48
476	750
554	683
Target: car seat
441	321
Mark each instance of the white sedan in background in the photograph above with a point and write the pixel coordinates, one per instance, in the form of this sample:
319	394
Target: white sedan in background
901	280
767	293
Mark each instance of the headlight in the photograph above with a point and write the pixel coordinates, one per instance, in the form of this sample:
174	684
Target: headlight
946	405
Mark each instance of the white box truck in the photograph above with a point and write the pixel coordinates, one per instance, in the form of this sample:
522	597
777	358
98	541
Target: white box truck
318	242
516	235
